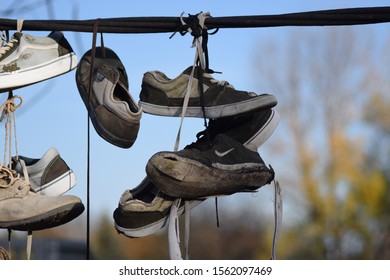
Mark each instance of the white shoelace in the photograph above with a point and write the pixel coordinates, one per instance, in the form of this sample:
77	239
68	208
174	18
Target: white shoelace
4	49
173	230
278	213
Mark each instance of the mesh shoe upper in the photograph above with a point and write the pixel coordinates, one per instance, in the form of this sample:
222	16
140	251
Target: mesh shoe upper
161	95
204	170
114	113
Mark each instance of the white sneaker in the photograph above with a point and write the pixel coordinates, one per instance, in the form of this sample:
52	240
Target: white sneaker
49	175
26	60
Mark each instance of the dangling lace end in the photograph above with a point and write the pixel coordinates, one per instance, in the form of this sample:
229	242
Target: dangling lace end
29	244
173	232
187	209
278	212
9	242
216	211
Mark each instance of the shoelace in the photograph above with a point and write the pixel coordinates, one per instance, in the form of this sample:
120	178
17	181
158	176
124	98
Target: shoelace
278	212
8	46
173	230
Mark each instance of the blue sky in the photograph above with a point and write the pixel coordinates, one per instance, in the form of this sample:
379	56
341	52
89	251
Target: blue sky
53	114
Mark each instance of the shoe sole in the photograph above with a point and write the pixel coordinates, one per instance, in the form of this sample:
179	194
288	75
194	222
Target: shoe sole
213	182
54	218
32	75
214	112
58	186
154	227
264	133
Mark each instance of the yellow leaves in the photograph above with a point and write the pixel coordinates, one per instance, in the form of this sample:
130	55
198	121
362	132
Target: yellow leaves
346	157
370	189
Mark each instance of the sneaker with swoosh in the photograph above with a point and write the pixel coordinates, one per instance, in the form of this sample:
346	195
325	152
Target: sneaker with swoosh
144	210
217	167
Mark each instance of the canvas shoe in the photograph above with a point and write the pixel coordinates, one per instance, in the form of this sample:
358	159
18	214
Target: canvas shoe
163	96
21	209
144	210
49	175
202	170
113	111
26	59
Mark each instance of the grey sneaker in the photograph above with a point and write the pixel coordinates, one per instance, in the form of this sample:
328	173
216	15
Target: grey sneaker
49	175
113	111
202	170
163	96
144	210
26	59
22	209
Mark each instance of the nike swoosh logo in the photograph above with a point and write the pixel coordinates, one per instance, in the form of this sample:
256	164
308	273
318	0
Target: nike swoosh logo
222	154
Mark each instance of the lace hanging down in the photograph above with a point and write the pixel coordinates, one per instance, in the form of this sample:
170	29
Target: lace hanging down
195	26
8	113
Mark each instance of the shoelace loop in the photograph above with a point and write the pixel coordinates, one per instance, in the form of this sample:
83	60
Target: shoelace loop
8	177
8	46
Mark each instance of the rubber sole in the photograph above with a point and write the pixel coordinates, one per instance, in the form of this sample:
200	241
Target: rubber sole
212	112
38	73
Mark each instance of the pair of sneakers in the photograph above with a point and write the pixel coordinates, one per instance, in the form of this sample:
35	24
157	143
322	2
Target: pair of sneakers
145	209
31	193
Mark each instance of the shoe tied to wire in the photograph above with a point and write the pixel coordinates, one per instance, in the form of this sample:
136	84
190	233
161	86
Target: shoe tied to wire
202	170
163	96
26	59
21	209
114	113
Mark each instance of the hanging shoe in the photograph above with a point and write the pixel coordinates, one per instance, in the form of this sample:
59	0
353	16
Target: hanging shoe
163	96
49	175
144	210
26	59
113	111
21	209
203	170
251	129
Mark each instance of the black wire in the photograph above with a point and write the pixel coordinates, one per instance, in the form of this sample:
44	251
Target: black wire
351	16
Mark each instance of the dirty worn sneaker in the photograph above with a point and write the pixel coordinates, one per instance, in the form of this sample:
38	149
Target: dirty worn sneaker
49	175
114	113
22	209
144	210
203	169
163	96
26	59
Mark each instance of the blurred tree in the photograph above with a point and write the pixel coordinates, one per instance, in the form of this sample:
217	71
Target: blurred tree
320	81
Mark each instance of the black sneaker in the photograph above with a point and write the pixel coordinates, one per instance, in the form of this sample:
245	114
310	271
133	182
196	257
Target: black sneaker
251	129
163	96
113	111
202	170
